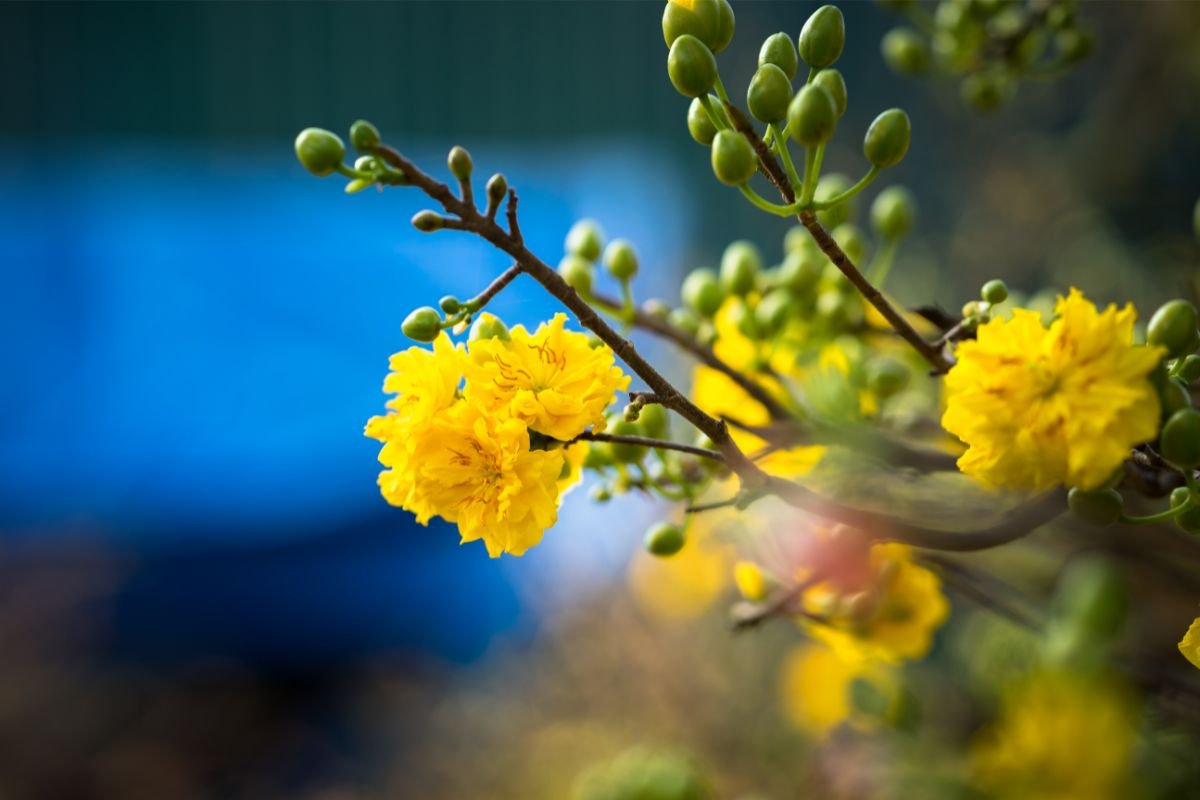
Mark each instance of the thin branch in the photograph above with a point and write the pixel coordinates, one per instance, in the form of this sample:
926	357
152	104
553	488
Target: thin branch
750	615
646	441
713	506
514	229
646	398
494	288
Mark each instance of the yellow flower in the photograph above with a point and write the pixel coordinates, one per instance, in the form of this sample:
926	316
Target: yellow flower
1037	406
476	469
752	582
552	379
893	620
1059	737
1190	644
815	684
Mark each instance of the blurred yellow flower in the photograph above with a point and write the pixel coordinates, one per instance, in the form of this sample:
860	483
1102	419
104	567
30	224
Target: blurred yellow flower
815	687
1039	406
752	582
1059	736
1190	644
892	620
552	379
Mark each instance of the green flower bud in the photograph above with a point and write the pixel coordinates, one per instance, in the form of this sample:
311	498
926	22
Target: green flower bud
1180	440
459	161
428	221
1174	395
887	139
701	292
488	326
1073	44
665	539
778	49
449	304
320	151
1173	327
832	81
364	136
886	376
655	421
422	325
994	292
1189	371
1091	597
726	28
799	272
585	239
703	21
893	213
905	51
733	159
774	311
744	320
835	308
740	265
812	116
621	259
599	494
1179	496
1101	507
366	164
831	186
1060	15
577	272
622	452
769	93
852	242
357	185
986	91
656	308
699	124
691	66
497	187
823	37
685	320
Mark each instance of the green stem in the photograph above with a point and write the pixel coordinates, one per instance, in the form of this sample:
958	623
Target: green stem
1162	516
717	118
720	87
812	74
863	183
770	208
780	148
812	171
882	264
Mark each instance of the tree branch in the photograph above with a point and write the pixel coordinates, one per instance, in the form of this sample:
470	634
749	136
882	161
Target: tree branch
646	441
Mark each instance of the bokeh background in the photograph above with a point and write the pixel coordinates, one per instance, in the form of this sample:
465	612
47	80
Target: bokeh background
201	592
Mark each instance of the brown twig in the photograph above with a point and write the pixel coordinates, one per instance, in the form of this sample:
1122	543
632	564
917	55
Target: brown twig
494	288
646	441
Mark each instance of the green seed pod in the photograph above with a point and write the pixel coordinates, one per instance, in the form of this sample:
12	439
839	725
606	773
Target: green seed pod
1180	440
1189	520
812	116
831	186
621	259
497	187
428	221
699	124
701	292
664	539
986	91
422	325
1180	496
769	93
832	81
774	311
364	136
905	51
799	272
852	241
1073	45
1174	395
1173	327
577	272
585	239
740	264
702	20
893	213
778	49
886	376
994	292
1101	507
823	37
320	151
691	66
488	326
449	304
685	320
622	452
459	161
887	139
733	159
655	421
1189	370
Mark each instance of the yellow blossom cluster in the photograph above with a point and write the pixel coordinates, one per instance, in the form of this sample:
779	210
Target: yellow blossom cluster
457	436
1039	405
